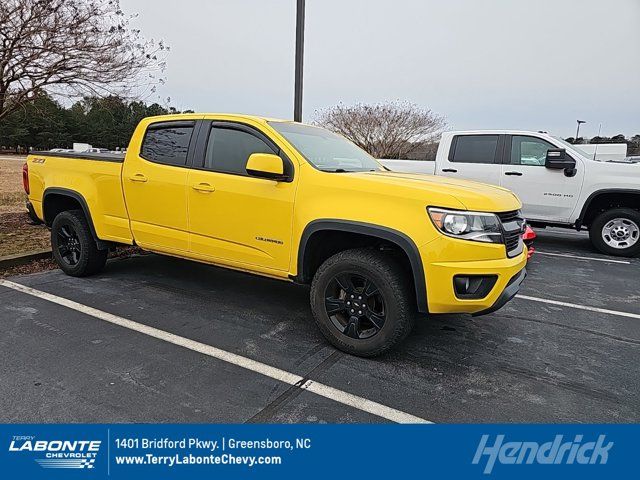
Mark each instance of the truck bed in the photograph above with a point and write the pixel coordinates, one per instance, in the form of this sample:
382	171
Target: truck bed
94	180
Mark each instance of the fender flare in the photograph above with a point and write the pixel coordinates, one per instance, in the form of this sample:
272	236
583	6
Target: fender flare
377	231
591	197
83	203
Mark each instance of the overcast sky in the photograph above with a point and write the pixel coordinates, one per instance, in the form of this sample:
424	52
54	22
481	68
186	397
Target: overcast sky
530	64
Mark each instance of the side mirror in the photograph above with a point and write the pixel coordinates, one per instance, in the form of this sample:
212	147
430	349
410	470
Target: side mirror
266	165
558	159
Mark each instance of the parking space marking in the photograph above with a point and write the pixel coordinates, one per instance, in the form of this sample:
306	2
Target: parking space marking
581	307
318	388
567	255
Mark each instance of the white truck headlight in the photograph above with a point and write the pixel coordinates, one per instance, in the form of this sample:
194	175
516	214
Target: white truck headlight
475	226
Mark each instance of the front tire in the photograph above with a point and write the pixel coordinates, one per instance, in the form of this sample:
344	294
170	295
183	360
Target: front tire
362	302
73	245
617	232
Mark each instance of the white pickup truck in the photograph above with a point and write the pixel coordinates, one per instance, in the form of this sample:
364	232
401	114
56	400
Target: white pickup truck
557	183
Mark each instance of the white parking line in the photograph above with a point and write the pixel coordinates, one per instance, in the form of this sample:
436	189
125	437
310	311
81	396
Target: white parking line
582	258
580	307
326	391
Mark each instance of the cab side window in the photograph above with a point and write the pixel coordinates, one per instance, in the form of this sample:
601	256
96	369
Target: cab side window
167	143
474	149
228	150
529	151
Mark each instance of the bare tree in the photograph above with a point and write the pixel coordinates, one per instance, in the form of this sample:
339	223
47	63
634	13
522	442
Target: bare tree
72	48
385	130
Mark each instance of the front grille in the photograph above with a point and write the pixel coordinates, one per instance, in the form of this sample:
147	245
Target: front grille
509	216
512	242
512	223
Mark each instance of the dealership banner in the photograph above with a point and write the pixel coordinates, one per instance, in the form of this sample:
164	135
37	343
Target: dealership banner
143	451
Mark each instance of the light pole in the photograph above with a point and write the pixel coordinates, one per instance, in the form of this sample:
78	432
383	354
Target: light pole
580	122
297	96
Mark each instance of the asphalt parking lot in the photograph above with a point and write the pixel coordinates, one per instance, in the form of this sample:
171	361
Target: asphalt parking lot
566	351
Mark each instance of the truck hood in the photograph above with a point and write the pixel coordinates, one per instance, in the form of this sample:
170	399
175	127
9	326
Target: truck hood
473	195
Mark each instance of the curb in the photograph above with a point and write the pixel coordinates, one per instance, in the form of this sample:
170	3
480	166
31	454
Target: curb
23	258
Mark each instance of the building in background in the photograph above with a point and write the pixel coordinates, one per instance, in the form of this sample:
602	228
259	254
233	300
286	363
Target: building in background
604	151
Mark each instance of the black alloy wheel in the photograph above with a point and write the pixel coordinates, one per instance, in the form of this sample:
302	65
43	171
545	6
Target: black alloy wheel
74	247
362	301
355	305
69	246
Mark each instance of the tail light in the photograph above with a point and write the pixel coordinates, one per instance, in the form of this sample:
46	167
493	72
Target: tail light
25	178
529	234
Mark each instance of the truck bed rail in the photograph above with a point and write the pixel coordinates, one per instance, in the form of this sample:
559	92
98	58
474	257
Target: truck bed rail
101	157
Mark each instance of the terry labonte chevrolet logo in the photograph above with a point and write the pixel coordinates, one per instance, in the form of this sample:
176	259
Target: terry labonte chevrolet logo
57	453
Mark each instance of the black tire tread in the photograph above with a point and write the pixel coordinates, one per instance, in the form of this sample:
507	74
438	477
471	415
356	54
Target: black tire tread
595	231
92	260
385	264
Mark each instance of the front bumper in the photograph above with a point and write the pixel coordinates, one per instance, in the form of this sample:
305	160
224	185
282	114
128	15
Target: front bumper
507	294
439	275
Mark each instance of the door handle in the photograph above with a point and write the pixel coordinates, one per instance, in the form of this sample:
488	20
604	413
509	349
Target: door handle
203	187
138	177
451	170
518	174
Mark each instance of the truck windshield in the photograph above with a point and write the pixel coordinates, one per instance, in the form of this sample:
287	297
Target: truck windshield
326	150
563	142
573	148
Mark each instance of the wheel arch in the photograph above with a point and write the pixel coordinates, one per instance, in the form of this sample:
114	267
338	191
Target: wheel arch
56	200
400	240
616	197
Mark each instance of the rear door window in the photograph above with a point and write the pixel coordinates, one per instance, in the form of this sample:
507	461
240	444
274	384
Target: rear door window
167	143
474	149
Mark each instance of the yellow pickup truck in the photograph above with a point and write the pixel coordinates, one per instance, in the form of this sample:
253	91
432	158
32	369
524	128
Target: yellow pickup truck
293	202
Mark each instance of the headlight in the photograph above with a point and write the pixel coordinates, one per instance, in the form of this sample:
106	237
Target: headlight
476	226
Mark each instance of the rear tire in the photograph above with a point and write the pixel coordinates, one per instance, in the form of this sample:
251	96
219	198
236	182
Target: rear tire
74	247
616	232
362	302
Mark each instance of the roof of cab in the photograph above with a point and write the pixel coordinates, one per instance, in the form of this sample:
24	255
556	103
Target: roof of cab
496	132
196	116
